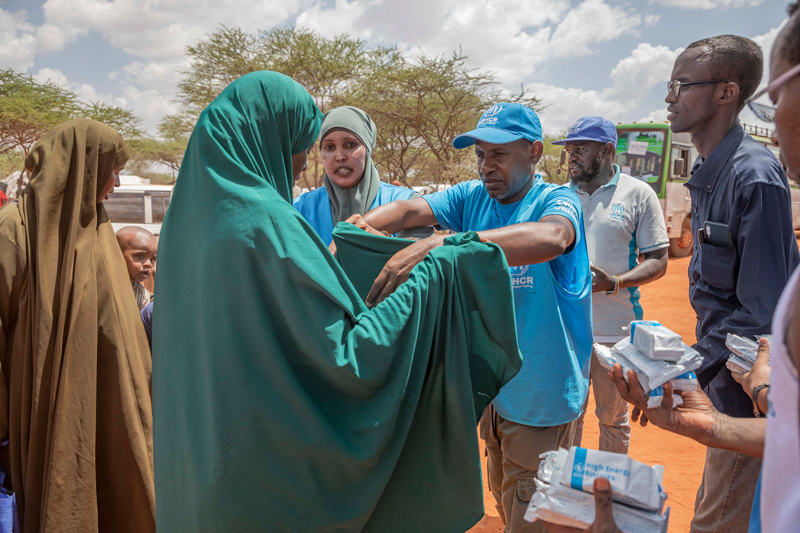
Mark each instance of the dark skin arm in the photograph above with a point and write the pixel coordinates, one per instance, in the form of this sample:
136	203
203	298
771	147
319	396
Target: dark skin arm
696	418
523	244
652	268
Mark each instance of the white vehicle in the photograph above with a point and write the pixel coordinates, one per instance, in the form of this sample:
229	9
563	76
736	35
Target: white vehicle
138	205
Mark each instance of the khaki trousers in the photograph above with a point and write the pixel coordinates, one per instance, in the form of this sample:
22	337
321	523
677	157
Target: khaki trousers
512	452
611	411
725	496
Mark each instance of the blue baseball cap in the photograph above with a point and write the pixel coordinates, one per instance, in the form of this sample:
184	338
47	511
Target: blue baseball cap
503	123
596	129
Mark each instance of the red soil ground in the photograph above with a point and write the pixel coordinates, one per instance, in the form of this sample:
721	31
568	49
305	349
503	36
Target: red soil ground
666	300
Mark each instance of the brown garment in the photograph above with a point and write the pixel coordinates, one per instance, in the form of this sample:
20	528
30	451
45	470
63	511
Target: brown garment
75	398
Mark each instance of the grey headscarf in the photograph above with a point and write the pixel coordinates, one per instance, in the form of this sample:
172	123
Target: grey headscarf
358	198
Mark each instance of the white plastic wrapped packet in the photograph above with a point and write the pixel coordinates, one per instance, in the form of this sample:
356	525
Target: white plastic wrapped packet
745	348
607	357
566	506
653	373
738	364
657	396
685	382
633	483
656	341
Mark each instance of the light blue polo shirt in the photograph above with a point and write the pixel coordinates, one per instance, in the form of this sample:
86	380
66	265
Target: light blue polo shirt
622	219
552	302
315	206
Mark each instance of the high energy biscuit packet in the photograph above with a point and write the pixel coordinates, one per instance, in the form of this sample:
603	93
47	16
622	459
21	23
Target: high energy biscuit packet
565	482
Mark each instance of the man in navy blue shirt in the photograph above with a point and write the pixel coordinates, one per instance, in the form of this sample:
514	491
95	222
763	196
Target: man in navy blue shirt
744	251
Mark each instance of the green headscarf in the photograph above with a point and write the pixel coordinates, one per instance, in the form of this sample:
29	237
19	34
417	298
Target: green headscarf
358	198
281	402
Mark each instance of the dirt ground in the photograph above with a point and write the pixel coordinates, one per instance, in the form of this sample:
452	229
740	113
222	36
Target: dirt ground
666	300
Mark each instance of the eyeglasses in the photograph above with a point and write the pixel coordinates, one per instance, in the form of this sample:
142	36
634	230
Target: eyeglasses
674	86
767	112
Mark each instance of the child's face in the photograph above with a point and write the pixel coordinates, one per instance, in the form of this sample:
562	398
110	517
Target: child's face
140	257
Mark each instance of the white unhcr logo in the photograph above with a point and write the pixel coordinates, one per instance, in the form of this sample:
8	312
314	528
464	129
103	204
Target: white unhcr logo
492	111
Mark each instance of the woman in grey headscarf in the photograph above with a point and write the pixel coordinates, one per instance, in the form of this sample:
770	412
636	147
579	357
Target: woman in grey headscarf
352	185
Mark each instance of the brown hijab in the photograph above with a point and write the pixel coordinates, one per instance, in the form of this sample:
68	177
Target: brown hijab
77	410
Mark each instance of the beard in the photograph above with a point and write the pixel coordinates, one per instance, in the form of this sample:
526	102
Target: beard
589	174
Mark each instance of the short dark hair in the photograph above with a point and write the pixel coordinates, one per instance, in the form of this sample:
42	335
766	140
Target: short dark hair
734	58
789	40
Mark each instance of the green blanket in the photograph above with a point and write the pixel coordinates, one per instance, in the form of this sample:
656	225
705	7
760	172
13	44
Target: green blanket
282	403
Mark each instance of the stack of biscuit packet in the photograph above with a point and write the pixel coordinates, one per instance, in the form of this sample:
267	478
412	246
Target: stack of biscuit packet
565	483
743	352
657	355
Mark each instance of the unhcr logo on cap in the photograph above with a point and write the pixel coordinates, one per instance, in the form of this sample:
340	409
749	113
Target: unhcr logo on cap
490	117
575	127
492	111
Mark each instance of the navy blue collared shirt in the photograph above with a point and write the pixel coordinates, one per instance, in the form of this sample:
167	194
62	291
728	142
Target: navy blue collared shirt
734	289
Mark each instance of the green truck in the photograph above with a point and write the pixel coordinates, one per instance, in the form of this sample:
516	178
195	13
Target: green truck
662	159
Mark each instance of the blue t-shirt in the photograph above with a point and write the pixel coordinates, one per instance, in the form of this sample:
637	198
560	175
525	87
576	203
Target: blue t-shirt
552	302
315	206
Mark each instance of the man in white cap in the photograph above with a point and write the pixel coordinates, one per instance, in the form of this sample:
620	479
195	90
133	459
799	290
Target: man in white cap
622	219
540	228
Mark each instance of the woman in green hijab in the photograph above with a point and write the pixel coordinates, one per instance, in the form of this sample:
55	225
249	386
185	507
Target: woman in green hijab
281	402
351	184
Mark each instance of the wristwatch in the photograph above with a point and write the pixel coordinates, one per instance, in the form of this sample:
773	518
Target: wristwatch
754	396
617	286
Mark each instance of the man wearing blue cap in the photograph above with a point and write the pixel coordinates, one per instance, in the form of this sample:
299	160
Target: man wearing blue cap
539	226
622	219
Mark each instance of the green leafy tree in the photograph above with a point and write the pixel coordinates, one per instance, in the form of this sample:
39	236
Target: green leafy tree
122	120
550	166
29	109
419	104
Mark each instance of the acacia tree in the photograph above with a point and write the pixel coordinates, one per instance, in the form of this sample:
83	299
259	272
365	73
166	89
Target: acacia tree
550	164
29	109
423	104
418	104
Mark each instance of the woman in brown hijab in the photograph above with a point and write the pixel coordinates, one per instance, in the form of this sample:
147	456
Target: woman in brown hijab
75	401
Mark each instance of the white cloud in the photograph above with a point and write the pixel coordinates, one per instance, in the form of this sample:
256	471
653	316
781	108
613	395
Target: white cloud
592	22
651	20
708	4
17	42
149	105
162	77
767	40
644	68
510	38
631	79
566	105
152	29
51	75
657	115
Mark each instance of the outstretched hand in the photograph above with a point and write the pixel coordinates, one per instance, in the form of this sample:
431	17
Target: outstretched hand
358	221
760	372
694	418
603	512
397	269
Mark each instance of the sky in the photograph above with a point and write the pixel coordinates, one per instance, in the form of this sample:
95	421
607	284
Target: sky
580	57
